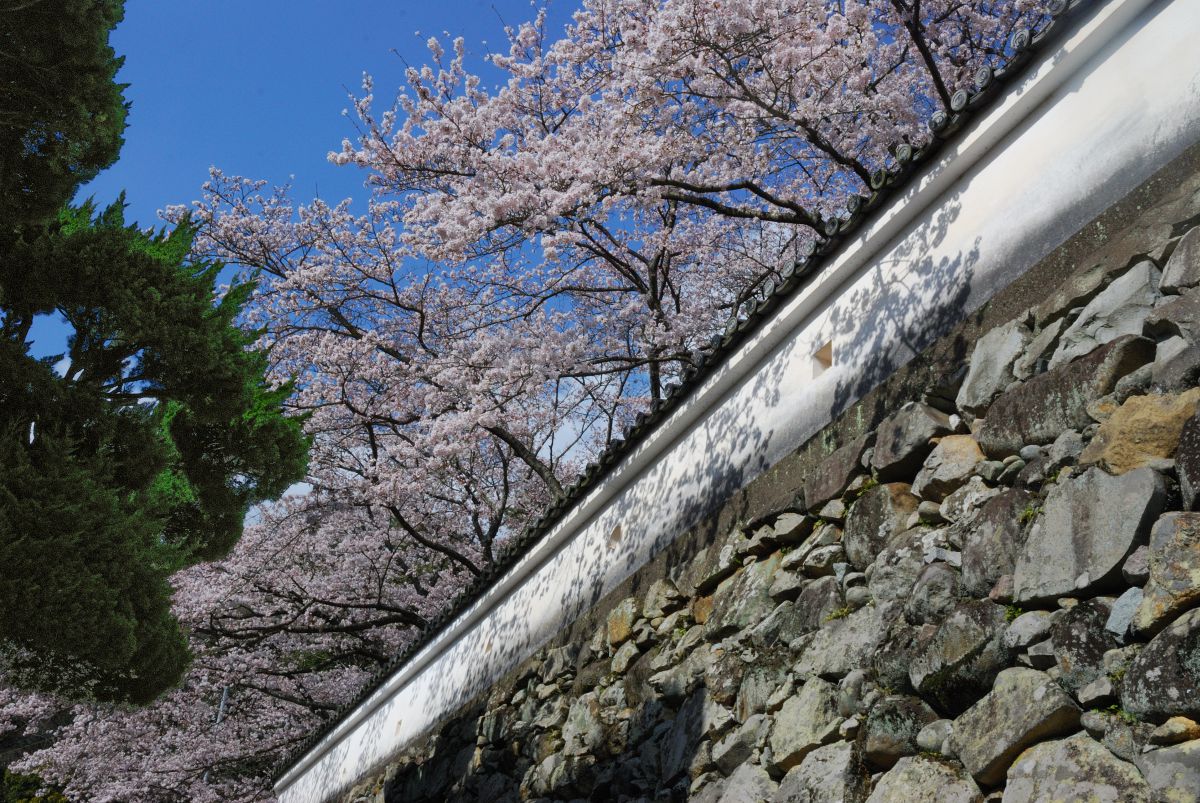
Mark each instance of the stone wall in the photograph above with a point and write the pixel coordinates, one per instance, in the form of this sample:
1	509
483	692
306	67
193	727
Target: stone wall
990	591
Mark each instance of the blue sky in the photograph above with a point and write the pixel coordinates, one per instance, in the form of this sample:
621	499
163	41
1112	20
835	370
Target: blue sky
257	88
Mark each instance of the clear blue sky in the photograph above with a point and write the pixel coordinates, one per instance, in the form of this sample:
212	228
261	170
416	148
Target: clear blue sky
257	87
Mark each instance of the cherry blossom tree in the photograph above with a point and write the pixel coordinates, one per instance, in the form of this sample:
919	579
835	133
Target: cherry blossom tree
536	264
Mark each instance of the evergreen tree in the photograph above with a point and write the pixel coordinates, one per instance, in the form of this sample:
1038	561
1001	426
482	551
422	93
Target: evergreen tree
139	450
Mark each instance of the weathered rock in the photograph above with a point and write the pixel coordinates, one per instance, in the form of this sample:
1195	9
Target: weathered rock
1164	680
1119	309
1187	463
991	366
742	600
897	567
830	774
816	604
821	562
624	657
1123	610
748	783
1183	268
662	598
1090	524
1173	773
1063	452
1074	769
735	749
891	728
934	595
804	723
917	779
947	468
902	441
1027	628
1176	316
1136	568
1040	409
1174	584
879	514
1080	642
620	621
993	540
760	682
959	662
842	644
932	737
787	585
831	478
1142	429
1040	347
1175	730
1098	692
962	505
790	527
1023	707
583	731
1176	364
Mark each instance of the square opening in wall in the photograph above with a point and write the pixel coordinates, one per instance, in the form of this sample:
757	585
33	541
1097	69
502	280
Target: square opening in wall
822	360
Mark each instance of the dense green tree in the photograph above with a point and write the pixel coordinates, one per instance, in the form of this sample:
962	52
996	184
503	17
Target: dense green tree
62	113
136	452
139	449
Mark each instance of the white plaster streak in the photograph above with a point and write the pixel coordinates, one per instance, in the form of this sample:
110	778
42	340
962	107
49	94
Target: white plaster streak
1091	121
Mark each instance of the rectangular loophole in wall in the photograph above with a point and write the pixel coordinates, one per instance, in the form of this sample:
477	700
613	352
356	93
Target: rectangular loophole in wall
822	360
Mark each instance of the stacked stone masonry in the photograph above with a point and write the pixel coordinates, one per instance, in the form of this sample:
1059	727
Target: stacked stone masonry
993	595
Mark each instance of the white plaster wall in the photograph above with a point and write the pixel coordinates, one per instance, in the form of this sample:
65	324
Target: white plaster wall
1093	120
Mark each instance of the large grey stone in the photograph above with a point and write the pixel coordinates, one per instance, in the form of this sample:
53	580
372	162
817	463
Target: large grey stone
1187	463
1164	679
830	774
661	599
902	441
829	480
1080	641
934	595
805	722
736	748
879	514
1023	707
890	730
681	741
583	732
1173	773
991	366
1119	309
1077	769
1174	584
958	664
1183	268
1124	608
742	600
947	468
1090	524
1028	628
749	782
917	779
816	603
964	504
897	568
1040	409
1040	347
993	540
